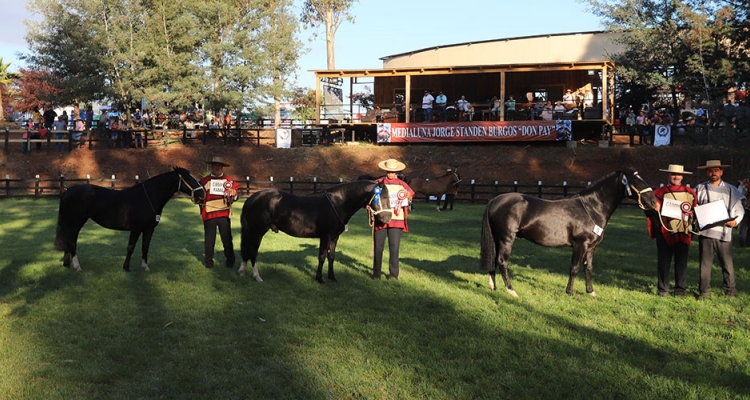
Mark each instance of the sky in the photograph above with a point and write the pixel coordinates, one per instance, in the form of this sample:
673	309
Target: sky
387	27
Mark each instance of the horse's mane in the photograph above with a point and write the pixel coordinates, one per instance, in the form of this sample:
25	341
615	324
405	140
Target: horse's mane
597	184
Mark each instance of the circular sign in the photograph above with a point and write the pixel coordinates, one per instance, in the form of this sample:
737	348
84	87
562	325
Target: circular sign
227	185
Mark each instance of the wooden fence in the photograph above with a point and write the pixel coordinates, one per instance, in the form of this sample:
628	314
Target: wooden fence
473	192
95	138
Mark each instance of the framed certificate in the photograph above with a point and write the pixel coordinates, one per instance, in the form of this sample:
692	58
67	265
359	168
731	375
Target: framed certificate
712	214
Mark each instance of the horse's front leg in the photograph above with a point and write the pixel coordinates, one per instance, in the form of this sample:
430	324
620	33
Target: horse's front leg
589	270
131	246
145	246
331	256
322	256
575	265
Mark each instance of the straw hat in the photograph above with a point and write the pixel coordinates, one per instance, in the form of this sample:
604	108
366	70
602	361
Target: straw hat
218	161
713	164
676	169
391	165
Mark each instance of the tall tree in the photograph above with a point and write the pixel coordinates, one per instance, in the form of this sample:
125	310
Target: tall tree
6	78
330	14
35	89
675	47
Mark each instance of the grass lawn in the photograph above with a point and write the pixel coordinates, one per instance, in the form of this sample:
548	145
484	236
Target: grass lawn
184	332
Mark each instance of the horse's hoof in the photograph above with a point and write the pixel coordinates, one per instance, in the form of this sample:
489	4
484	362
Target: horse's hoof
512	293
592	294
320	280
258	278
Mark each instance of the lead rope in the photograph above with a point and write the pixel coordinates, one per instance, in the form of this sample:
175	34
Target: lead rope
586	209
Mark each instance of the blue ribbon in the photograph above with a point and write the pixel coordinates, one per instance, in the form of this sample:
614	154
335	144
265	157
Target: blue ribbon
376	200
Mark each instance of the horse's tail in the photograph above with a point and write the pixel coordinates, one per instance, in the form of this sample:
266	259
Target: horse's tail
488	249
60	230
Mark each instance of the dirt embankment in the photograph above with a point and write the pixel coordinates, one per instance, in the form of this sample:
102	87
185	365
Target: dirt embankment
484	163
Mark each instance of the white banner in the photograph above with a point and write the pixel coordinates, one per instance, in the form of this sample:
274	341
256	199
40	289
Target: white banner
662	135
283	138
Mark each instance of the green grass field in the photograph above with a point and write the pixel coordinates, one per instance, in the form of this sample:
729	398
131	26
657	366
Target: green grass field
184	332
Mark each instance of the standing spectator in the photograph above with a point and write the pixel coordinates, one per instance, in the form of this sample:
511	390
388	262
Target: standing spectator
65	118
427	100
89	117
216	211
510	109
60	127
49	117
103	123
568	100
36	117
588	99
641	124
442	102
76	113
728	112
400	197
630	127
78	129
137	118
718	239
673	235
450	195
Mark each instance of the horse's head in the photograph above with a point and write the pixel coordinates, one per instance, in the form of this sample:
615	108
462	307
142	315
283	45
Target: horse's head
379	206
189	185
638	189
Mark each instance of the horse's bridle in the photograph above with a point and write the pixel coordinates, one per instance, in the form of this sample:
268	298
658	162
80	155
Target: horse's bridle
192	190
629	185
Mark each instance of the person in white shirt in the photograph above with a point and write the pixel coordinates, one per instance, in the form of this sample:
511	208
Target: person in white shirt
718	239
465	109
427	106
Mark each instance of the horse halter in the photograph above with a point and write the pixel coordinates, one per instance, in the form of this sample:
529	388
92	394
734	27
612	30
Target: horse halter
192	190
375	200
629	185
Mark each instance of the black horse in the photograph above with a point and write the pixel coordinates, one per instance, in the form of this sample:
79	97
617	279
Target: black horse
577	221
136	209
319	215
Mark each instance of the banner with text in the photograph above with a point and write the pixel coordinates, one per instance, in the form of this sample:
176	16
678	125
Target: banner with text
484	131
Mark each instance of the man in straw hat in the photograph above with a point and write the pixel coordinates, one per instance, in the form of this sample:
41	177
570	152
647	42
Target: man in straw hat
672	234
718	239
400	197
216	211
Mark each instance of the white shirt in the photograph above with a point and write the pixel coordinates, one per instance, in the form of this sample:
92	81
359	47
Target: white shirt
732	199
427	101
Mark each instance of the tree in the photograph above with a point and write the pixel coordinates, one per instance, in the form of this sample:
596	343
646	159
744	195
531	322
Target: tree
35	89
675	47
6	78
303	100
329	13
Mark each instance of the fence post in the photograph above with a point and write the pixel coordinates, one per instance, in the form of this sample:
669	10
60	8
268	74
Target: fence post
62	184
291	185
137	179
7	185
49	140
247	185
315	184
540	189
271	181
88	179
515	186
496	189
112	184
36	186
203	140
7	137
565	188
473	190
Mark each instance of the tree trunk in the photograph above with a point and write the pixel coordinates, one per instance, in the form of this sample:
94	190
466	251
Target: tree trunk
330	38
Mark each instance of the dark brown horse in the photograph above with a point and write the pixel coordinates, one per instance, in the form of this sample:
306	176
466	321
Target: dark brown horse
136	209
437	186
318	215
578	221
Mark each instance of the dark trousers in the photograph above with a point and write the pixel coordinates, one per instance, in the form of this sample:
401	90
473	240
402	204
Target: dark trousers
665	253
394	239
706	250
744	225
225	230
449	198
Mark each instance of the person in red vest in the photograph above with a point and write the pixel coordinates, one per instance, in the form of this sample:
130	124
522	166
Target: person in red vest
672	233
216	211
400	197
